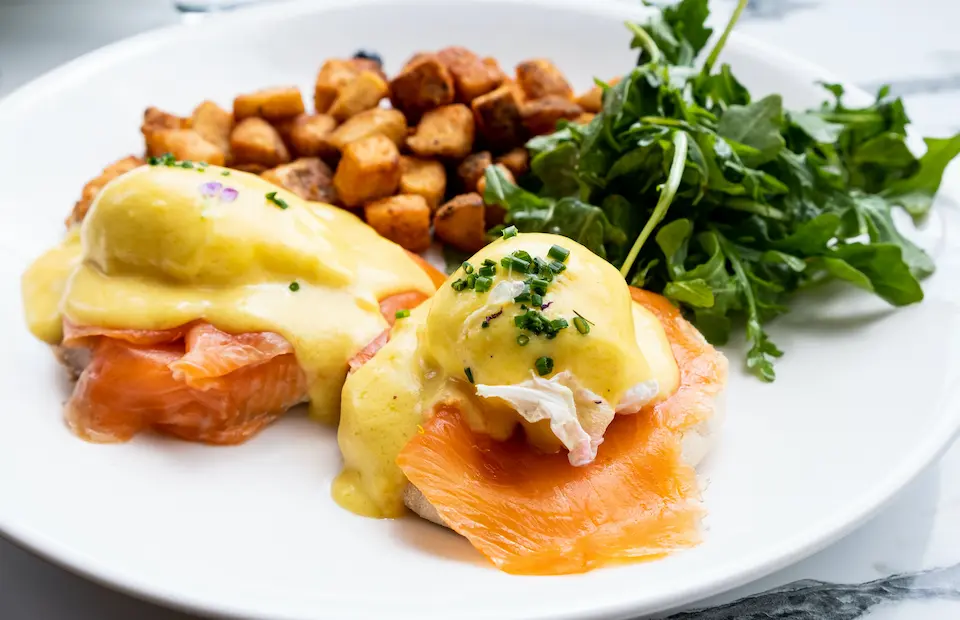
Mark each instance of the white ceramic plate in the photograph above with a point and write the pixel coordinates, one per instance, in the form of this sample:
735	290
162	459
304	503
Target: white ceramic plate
865	399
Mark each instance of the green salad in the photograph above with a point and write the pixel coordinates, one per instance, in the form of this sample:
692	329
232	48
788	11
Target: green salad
724	203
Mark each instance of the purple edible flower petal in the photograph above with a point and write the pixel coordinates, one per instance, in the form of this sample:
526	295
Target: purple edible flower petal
210	189
546	305
228	194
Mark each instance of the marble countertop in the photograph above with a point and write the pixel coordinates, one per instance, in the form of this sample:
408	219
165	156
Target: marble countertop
902	565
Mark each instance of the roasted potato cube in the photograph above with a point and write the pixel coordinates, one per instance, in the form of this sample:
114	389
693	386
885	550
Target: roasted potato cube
517	161
461	222
308	177
403	219
585	118
362	93
214	124
369	169
184	144
257	169
472	76
540	77
447	131
155	119
498	118
471	169
255	141
389	123
423	177
424	84
592	100
333	75
310	135
541	115
93	187
273	104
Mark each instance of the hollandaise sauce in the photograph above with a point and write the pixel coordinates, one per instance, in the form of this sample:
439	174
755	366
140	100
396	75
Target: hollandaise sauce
532	325
166	246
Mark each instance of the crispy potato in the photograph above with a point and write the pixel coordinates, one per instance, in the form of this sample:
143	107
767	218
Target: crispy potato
471	169
461	222
517	161
366	63
541	115
155	119
498	118
389	123
257	169
403	219
369	169
93	187
424	84
423	177
334	74
472	76
585	118
255	141
592	100
362	93
273	104
447	131
310	135
214	125
308	177
540	77
184	144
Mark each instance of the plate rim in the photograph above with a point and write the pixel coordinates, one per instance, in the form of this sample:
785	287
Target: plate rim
792	550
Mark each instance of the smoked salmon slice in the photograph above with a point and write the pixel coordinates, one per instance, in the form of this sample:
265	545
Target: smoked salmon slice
532	513
195	381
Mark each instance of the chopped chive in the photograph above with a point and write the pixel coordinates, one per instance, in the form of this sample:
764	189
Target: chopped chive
485	324
581	324
471	280
544	365
556	266
558	253
536	300
280	202
515	262
187	165
469	374
401	314
225	173
538	285
509	231
584	318
523	340
522	254
489	262
459	284
558	324
467	267
153	161
487	270
294	286
483	284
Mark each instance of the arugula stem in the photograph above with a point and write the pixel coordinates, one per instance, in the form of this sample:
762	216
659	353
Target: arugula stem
752	206
646	41
718	47
667	193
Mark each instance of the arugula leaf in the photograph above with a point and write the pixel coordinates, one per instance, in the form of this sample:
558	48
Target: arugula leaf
880	227
877	268
916	193
756	125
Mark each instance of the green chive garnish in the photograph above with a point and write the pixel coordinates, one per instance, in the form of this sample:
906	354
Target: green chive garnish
544	365
294	286
280	202
581	324
471	280
401	314
459	284
509	231
225	173
538	286
515	262
483	284
536	300
467	267
187	165
489	262
469	374
558	253
556	266
487	270
523	340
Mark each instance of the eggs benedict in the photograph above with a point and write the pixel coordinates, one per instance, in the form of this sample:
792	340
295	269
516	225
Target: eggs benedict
204	303
539	407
